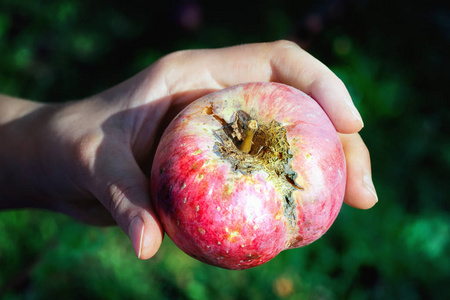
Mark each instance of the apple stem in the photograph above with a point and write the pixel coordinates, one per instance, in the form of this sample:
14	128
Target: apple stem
246	145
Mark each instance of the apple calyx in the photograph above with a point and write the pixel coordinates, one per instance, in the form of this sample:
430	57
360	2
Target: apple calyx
252	146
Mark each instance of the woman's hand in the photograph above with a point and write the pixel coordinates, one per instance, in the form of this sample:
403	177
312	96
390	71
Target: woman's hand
89	158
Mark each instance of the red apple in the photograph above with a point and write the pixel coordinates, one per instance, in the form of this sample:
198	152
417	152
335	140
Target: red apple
246	172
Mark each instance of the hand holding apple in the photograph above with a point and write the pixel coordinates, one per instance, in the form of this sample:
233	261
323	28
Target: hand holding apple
87	158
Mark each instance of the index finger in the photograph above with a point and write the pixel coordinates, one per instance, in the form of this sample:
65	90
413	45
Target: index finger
280	61
296	67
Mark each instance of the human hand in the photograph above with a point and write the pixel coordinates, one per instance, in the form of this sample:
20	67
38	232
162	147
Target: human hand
102	147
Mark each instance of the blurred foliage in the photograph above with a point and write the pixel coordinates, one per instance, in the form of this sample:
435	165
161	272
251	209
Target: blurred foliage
394	58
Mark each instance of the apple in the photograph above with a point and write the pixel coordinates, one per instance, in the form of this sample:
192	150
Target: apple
246	172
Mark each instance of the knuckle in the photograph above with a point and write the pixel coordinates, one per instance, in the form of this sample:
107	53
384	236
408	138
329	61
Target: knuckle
116	198
358	146
86	148
173	58
364	151
170	68
285	44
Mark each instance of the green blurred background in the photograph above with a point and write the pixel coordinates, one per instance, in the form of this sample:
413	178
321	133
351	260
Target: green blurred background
392	55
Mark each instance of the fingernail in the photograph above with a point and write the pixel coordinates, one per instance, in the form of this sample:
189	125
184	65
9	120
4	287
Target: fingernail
136	234
368	183
354	110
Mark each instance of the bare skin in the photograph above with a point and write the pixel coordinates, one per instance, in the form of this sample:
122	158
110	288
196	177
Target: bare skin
89	158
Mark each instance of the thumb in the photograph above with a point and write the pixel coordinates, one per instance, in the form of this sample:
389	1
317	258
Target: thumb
126	195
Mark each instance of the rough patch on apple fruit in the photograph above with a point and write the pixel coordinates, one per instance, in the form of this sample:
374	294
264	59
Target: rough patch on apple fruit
270	151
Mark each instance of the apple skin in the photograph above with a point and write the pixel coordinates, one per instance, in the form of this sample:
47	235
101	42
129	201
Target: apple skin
237	220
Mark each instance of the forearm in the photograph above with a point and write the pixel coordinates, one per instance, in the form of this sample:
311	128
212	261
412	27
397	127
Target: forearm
48	152
14	108
19	176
